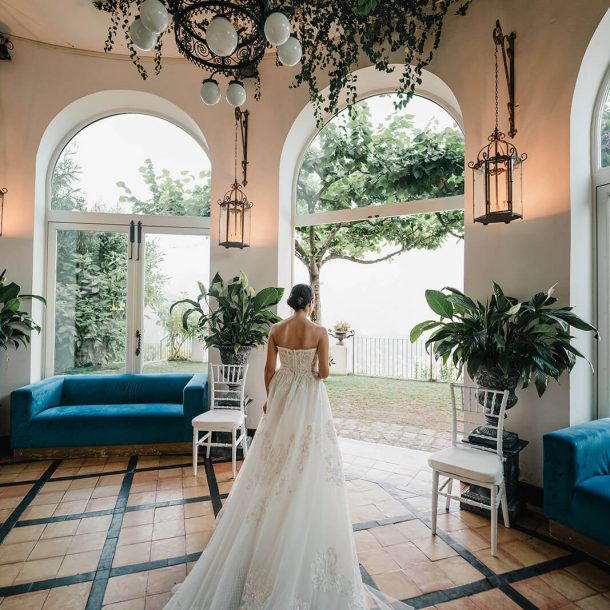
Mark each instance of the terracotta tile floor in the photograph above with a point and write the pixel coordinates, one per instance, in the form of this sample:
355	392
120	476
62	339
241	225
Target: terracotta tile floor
118	533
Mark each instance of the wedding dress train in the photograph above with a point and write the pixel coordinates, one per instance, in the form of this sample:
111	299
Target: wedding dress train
283	540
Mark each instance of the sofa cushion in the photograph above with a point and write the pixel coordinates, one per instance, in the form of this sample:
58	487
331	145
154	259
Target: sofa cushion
123	389
591	508
109	424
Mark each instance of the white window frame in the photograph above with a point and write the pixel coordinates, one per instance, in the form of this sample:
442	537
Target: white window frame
101	221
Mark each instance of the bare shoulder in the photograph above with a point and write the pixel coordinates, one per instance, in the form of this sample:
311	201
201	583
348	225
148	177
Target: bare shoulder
319	330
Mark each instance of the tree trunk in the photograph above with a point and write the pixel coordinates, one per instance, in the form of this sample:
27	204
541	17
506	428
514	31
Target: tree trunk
314	281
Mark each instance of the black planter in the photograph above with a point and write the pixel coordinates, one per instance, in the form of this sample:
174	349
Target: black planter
228	355
494	379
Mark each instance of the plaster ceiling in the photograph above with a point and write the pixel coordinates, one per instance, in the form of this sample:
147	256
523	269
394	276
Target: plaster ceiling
68	23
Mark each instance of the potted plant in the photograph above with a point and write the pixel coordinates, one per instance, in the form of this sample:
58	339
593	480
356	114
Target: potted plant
504	341
16	326
239	321
340	331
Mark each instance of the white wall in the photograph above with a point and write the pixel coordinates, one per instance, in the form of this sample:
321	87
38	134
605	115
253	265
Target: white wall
523	257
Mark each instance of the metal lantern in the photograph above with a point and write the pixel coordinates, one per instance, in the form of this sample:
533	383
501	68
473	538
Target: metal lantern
235	209
497	181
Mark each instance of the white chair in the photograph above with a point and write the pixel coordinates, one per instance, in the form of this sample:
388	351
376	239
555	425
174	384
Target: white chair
469	463
226	414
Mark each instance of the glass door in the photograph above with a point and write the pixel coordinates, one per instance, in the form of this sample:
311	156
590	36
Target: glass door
174	261
88	316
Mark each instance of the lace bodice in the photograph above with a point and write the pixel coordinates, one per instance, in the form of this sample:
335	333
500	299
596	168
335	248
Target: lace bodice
297	360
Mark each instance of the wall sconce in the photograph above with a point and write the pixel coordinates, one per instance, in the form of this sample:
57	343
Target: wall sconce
3	192
497	174
235	208
6	46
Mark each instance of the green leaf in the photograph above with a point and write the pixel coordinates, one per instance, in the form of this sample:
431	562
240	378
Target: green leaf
439	303
419	329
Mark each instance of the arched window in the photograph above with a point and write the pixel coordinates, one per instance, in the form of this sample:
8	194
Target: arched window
375	182
128	235
604	135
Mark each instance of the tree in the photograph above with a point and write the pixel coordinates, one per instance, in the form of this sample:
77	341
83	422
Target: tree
354	163
605	134
185	195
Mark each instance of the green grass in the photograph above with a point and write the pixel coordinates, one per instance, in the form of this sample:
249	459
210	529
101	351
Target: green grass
182	366
178	366
420	404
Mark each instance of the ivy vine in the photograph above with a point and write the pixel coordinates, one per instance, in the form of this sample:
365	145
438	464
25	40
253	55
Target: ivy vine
335	34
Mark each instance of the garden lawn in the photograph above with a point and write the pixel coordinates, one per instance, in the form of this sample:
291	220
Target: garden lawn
420	404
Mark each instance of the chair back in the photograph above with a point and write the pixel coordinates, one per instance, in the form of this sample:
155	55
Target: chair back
228	386
474	408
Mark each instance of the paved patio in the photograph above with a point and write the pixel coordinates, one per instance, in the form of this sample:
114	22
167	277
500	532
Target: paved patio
410	437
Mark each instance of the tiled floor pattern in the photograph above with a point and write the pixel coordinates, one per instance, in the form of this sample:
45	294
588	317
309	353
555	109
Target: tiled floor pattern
119	533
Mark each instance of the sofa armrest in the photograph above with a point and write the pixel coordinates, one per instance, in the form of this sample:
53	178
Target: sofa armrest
573	455
195	397
27	402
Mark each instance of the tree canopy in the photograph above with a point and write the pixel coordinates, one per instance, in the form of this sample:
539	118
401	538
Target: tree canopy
354	162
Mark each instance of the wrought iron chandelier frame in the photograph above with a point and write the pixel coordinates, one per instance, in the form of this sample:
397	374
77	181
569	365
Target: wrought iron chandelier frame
191	17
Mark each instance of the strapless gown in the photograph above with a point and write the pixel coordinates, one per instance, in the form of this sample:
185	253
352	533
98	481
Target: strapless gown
283	539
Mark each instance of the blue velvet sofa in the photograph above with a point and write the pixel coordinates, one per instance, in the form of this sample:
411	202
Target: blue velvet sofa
94	410
577	478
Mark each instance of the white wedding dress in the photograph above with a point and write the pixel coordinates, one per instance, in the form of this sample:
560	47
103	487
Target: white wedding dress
283	540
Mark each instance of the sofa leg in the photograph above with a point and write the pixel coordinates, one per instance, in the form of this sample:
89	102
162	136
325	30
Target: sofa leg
195	451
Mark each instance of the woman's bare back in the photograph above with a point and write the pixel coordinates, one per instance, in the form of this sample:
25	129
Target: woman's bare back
297	332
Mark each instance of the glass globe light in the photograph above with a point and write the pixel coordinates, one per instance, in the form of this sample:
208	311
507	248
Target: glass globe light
210	92
221	36
154	16
141	36
277	28
236	94
290	52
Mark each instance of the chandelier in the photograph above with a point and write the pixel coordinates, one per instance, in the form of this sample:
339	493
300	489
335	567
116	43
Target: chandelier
222	37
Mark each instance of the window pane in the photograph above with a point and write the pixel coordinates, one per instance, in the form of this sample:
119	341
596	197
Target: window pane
90	302
174	263
605	133
132	164
381	155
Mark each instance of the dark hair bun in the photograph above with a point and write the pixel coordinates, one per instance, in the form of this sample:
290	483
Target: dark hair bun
300	297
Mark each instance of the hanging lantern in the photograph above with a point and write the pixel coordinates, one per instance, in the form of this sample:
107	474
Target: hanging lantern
497	181
235	212
235	208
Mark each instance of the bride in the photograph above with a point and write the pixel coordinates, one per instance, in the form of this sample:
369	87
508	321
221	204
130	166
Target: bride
283	540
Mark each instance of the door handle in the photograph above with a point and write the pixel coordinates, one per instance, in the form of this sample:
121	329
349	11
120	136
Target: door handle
138	342
139	238
132	238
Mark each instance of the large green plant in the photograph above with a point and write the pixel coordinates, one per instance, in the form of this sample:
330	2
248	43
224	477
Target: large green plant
16	326
242	316
526	338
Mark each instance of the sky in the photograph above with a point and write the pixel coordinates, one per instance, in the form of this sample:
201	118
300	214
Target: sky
384	300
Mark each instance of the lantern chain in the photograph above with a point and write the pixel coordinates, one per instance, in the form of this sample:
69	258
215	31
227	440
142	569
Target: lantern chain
496	58
235	166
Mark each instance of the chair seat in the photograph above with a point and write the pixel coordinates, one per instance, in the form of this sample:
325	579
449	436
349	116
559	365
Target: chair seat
219	419
468	463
